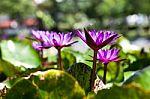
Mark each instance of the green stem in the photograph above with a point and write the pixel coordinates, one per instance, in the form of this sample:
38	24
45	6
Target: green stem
93	72
105	72
59	59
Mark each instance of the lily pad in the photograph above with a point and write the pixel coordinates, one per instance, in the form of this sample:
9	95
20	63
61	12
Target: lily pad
141	77
115	72
124	92
67	59
7	68
82	73
22	90
58	85
19	54
51	84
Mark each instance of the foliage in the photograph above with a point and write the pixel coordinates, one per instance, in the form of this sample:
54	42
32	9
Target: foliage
82	73
125	92
44	85
12	51
138	78
69	14
21	9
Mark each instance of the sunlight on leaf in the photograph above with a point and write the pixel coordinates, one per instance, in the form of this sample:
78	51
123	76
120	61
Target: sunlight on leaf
19	54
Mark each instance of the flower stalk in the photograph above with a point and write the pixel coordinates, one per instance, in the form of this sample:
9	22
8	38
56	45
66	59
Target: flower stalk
105	72
59	59
93	72
41	54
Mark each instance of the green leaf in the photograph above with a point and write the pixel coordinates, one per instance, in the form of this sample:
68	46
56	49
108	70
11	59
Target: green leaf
19	54
58	85
22	90
82	73
125	92
67	59
83	57
142	77
7	68
51	84
10	82
114	72
138	64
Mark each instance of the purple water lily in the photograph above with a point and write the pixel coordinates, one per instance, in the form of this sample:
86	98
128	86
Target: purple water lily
60	40
105	56
52	39
42	38
96	40
108	55
49	39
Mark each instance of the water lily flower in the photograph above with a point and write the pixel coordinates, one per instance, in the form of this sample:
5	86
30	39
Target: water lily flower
97	39
42	38
108	55
60	40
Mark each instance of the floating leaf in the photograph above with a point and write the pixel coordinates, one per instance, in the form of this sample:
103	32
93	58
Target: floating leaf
138	64
22	90
51	84
125	92
7	68
114	72
19	54
67	59
141	77
83	57
82	73
58	84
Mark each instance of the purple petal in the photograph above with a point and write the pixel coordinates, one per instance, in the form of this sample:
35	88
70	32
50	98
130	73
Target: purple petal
100	38
36	34
37	46
106	56
107	41
55	42
81	35
93	35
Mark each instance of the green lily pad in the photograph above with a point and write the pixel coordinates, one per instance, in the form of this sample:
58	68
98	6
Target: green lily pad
142	77
124	92
7	68
115	72
51	84
58	85
19	54
67	59
22	90
138	64
82	73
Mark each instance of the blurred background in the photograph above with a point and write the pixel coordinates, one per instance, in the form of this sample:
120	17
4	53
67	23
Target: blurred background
129	17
